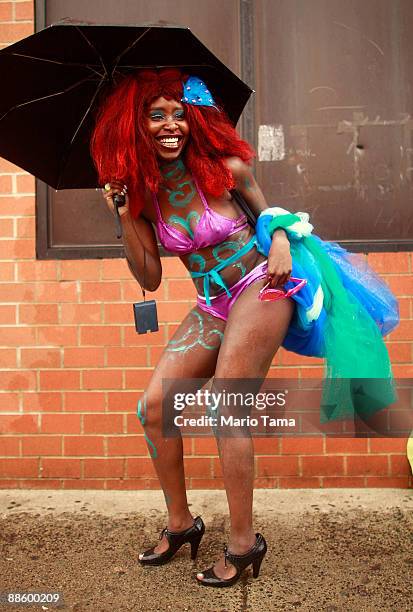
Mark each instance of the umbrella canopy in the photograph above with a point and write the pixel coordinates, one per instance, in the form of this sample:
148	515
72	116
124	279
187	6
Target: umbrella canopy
54	79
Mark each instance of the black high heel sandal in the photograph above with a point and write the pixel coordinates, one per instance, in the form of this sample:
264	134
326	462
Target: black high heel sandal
176	539
255	556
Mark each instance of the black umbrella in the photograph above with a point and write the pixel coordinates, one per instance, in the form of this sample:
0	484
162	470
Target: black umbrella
53	79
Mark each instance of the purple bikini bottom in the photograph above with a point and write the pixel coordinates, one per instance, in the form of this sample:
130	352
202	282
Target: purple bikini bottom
222	303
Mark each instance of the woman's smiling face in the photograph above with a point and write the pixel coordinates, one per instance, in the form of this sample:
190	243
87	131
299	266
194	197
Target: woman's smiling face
168	127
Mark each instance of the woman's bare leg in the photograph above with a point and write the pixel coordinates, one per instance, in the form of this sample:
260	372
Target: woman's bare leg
192	353
253	334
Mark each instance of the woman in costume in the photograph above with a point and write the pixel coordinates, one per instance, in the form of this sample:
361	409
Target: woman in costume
162	142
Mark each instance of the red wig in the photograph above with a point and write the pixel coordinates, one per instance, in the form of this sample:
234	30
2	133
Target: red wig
122	148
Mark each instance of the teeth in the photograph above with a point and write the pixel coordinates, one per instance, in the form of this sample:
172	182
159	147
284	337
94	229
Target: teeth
171	143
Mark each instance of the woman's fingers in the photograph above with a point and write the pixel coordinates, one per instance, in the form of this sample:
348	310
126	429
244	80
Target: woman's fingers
113	188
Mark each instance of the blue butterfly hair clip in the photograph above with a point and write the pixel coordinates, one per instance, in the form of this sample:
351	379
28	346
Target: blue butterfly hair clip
197	93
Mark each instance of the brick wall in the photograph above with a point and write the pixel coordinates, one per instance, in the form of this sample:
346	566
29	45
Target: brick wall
73	365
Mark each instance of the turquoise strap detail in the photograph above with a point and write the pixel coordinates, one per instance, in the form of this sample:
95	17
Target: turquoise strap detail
213	273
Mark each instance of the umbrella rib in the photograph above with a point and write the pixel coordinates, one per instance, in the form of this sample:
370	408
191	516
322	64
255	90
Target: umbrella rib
135	42
57	93
65	155
94	49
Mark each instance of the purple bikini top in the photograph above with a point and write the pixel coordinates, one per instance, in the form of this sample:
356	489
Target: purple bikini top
211	229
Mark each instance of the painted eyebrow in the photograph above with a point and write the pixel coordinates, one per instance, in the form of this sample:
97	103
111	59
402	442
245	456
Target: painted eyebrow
177	108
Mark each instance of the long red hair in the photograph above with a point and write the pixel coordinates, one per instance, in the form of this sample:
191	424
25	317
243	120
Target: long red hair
122	148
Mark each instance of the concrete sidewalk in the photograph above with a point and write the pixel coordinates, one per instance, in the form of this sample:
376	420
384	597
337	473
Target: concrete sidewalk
328	550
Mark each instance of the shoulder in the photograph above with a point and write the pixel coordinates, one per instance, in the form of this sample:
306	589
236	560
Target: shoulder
240	170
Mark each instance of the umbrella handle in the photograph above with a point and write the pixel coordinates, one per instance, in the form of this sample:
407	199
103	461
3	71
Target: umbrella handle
118	200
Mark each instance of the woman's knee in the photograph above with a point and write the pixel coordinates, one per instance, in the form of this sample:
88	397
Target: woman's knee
149	410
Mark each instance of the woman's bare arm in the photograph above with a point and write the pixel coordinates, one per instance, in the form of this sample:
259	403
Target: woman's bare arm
279	257
139	241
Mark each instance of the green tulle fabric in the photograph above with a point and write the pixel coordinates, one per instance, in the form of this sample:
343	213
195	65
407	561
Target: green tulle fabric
358	378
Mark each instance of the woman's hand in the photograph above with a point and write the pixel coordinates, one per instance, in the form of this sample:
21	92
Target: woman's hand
112	188
279	261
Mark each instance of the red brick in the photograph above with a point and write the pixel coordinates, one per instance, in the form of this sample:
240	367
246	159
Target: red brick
12	32
85	483
399	465
40	313
402	371
102	379
299	483
80	313
102	291
18	468
24	10
343	481
83	357
127	445
198	467
403	482
405	309
400	352
83	445
388	445
40	484
100	335
401	285
131	292
386	263
323	466
15	423
37	271
20	205
40	358
207	483
9	402
63	291
59	379
6	225
267	446
172	267
118	313
8	358
7	271
8	315
115	269
84	401
16	292
279	372
102	423
42	445
126	356
173	311
132	338
301	446
6	14
126	484
60	423
26	227
346	445
61	468
103	468
9	447
155	354
205	446
122	401
44	402
17	249
80	269
60	335
277	466
5	180
25	184
367	466
140	468
181	289
138	379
